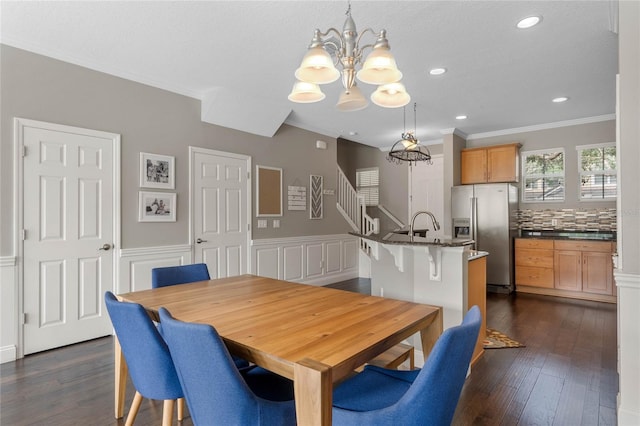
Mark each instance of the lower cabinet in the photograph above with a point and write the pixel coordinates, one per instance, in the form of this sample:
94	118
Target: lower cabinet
579	269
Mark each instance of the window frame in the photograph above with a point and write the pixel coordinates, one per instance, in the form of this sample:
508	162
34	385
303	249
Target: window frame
603	172
525	176
377	187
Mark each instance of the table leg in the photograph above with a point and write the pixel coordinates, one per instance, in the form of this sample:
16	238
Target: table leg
313	387
121	372
430	335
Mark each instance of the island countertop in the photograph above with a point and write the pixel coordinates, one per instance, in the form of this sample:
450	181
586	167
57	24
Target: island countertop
404	239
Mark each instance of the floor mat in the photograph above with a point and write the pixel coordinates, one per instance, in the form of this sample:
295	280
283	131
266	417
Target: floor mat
498	340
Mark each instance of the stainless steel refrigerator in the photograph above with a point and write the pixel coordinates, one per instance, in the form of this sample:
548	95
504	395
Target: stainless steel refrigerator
486	214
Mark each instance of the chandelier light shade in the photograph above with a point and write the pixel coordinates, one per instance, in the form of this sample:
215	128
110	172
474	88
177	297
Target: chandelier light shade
305	93
319	66
408	148
352	100
392	95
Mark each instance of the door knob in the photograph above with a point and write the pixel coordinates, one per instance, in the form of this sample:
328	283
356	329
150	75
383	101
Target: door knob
199	240
105	247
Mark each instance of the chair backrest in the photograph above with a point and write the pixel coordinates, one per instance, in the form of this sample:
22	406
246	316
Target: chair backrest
171	275
147	355
214	389
434	395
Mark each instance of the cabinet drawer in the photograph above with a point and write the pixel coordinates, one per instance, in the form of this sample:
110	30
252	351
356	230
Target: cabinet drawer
534	243
602	246
536	277
534	257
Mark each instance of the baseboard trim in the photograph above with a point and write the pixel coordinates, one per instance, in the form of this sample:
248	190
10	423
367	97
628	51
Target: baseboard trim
8	354
565	293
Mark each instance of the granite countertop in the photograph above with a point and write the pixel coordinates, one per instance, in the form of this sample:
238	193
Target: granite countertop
568	234
404	239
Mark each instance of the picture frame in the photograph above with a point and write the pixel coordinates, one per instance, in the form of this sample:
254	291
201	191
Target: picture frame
157	171
157	206
268	191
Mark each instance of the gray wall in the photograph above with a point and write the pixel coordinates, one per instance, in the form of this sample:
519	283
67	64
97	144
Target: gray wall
562	137
150	120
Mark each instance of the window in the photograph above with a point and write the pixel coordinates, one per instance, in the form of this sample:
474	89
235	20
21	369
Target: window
543	176
367	183
598	171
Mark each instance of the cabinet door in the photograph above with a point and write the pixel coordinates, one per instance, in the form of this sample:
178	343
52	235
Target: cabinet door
473	166
568	270
597	273
502	164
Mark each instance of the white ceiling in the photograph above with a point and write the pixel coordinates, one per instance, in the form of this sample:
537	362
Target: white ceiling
500	77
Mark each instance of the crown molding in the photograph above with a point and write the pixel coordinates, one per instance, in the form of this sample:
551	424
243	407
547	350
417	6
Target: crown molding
454	131
566	123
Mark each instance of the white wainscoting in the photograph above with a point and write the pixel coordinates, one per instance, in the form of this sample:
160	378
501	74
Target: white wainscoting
136	264
8	309
628	347
314	259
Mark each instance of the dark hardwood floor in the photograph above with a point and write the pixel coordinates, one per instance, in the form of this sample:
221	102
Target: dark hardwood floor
566	374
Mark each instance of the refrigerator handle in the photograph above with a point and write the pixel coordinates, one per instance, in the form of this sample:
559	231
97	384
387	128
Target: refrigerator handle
474	222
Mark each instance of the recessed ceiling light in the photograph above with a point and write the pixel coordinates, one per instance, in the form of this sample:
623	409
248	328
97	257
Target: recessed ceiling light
560	99
352	133
528	22
461	117
437	71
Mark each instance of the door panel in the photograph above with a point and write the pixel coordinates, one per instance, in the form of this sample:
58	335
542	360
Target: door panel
220	206
68	177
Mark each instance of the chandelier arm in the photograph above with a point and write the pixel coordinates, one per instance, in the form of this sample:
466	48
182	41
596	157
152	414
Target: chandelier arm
363	33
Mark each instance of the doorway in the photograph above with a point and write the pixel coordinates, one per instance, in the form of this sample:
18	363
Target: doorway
68	231
220	210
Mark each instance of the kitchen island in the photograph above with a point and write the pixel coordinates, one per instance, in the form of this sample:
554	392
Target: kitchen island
428	270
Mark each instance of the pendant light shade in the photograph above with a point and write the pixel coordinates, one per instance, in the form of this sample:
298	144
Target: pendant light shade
352	100
306	93
392	95
380	66
317	67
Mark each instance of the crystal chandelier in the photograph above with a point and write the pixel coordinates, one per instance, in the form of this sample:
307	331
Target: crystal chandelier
379	68
408	148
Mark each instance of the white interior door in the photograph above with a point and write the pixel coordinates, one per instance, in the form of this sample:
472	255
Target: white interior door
68	192
221	208
427	194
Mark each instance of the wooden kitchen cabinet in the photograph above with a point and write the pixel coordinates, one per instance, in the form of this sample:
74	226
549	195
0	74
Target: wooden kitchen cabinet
491	164
570	268
584	266
534	262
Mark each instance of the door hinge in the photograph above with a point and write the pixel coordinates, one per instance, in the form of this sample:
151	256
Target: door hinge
248	175
24	234
249	227
24	318
24	151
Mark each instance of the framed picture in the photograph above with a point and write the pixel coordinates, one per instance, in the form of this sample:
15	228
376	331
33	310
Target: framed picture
157	206
157	171
269	191
315	200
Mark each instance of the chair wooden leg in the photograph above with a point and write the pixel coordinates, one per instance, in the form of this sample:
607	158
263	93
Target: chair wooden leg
167	412
180	409
133	411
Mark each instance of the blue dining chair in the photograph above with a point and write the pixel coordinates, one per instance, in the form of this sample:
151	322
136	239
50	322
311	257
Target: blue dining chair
148	359
215	391
182	274
429	396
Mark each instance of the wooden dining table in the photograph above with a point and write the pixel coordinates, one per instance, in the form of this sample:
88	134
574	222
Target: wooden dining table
315	336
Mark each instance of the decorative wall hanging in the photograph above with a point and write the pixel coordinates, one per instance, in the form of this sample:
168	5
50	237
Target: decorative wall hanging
315	202
157	206
297	196
157	171
269	191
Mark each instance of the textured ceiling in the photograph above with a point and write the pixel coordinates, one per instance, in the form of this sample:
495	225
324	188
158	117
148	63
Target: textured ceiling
500	77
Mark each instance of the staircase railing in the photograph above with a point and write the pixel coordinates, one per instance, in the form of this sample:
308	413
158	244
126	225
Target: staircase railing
354	209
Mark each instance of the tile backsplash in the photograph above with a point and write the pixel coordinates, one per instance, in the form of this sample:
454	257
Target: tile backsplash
568	219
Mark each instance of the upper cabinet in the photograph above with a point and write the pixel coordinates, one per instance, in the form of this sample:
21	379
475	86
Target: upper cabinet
490	164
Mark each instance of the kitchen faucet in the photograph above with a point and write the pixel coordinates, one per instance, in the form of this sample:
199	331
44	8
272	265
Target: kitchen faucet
436	225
